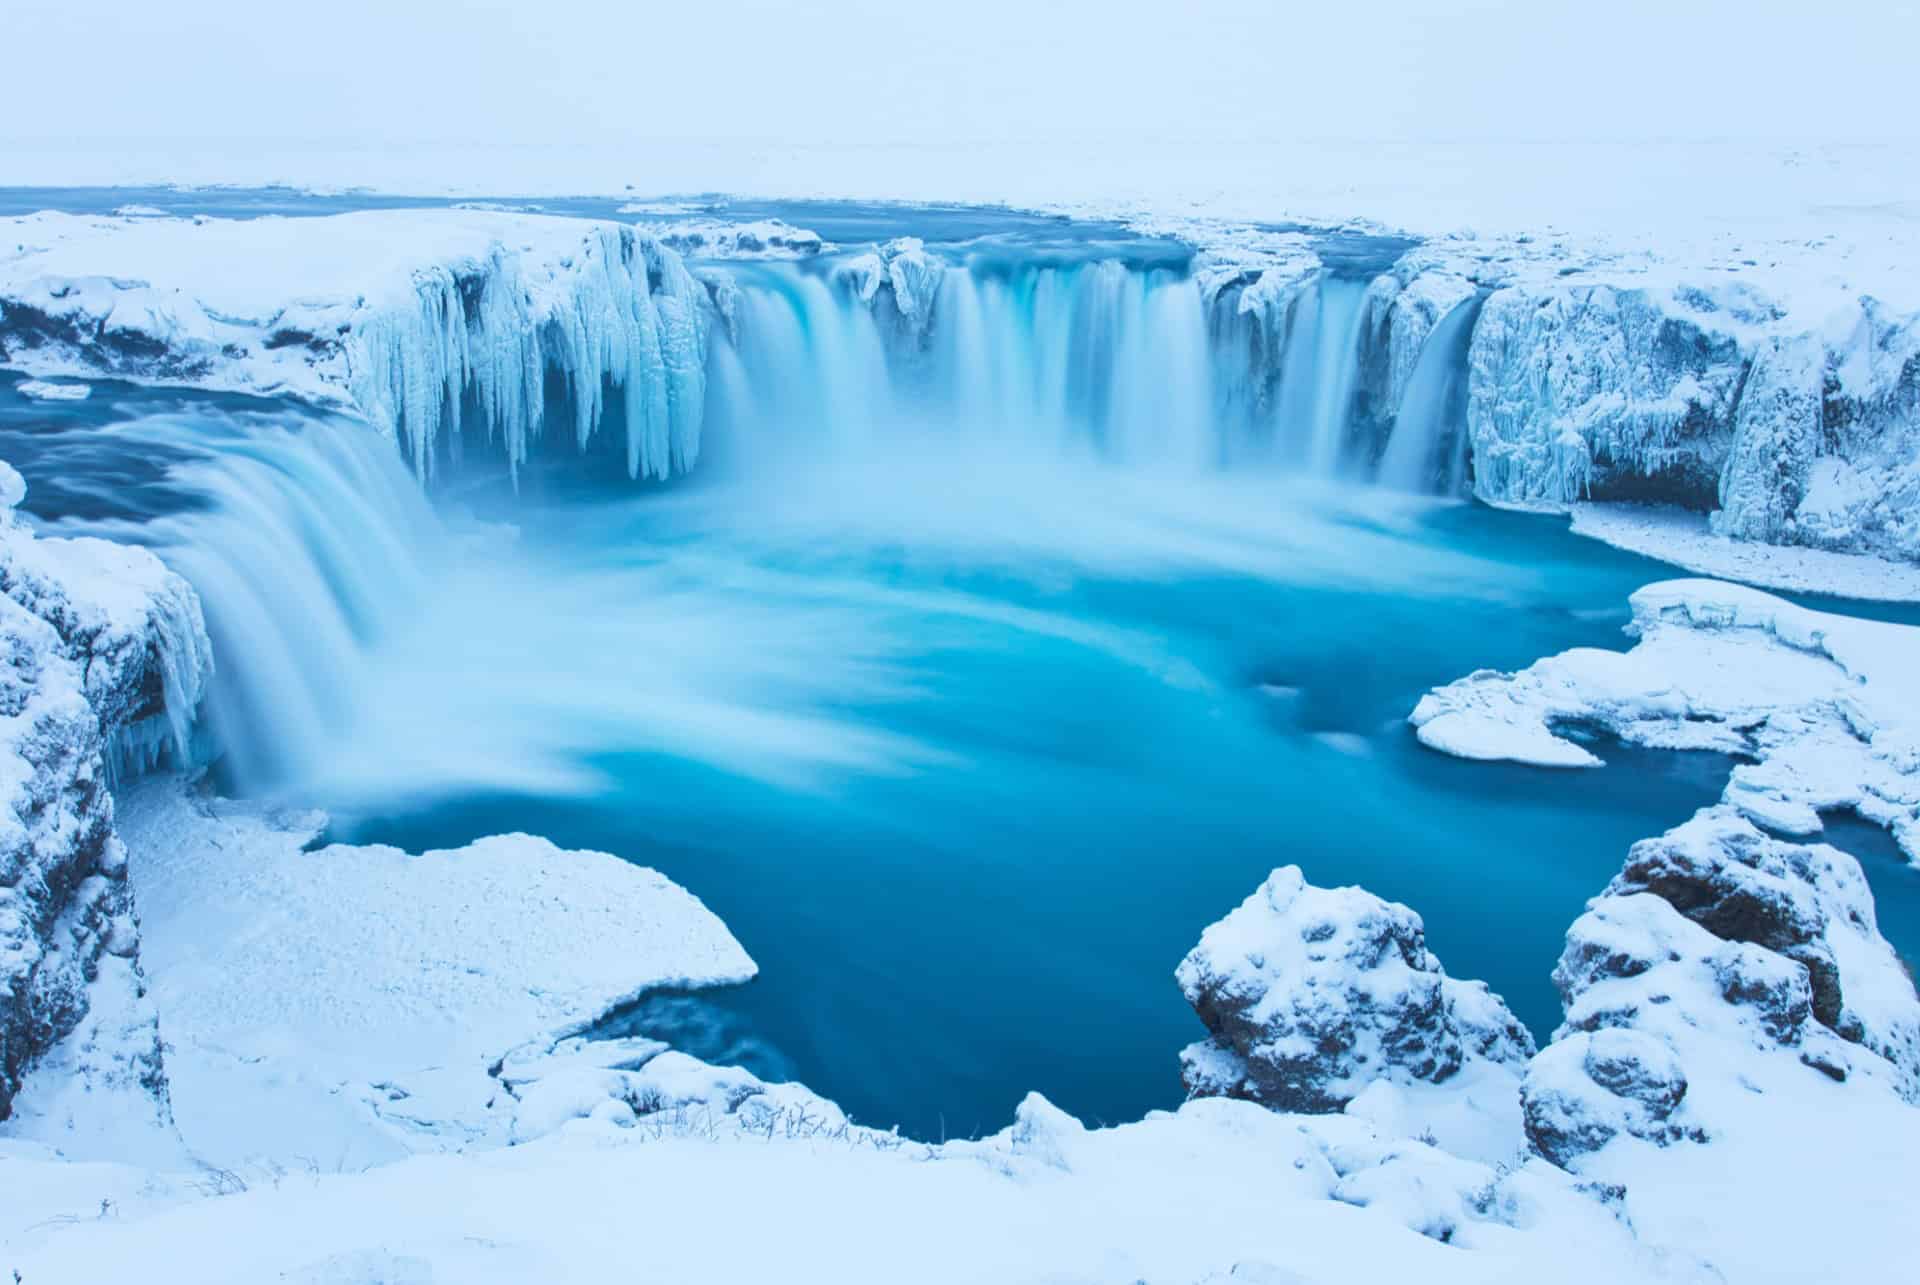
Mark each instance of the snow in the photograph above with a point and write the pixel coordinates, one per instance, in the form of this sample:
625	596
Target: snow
709	238
1218	1187
348	1002
90	633
41	390
1823	705
1687	540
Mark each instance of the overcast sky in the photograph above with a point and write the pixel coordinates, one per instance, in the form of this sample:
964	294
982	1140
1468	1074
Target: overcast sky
859	71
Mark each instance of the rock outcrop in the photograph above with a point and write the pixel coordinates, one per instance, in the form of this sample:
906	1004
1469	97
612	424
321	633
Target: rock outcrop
1311	995
98	641
1717	945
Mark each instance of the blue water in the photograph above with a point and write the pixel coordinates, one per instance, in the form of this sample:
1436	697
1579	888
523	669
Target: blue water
967	752
1103	757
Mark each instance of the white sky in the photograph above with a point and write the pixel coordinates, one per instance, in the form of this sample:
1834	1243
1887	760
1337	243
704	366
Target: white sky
863	71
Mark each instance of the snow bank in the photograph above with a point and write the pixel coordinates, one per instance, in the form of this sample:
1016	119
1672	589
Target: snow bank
1824	706
1218	1190
97	639
353	999
432	322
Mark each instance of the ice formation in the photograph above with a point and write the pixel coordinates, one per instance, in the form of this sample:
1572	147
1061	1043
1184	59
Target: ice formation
432	323
366	1002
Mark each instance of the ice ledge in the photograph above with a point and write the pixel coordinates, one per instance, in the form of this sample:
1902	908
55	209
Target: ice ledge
1822	707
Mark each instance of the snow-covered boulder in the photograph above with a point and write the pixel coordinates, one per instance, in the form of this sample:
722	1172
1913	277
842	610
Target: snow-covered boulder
1311	995
415	317
96	639
1717	951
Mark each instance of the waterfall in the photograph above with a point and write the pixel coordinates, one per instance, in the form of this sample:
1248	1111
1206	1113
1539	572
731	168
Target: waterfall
1427	451
1091	357
307	541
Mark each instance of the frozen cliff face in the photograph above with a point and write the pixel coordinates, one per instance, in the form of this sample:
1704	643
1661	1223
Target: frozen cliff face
96	639
1598	391
1827	440
1310	995
439	325
1717	959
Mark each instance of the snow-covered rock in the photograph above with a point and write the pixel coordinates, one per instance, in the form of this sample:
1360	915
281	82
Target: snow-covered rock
431	322
1312	996
97	639
1716	941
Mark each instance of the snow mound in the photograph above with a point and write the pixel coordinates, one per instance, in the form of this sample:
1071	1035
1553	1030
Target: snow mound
719	239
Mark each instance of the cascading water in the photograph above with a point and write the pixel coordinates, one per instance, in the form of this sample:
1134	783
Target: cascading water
1085	358
1318	374
1427	450
307	542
